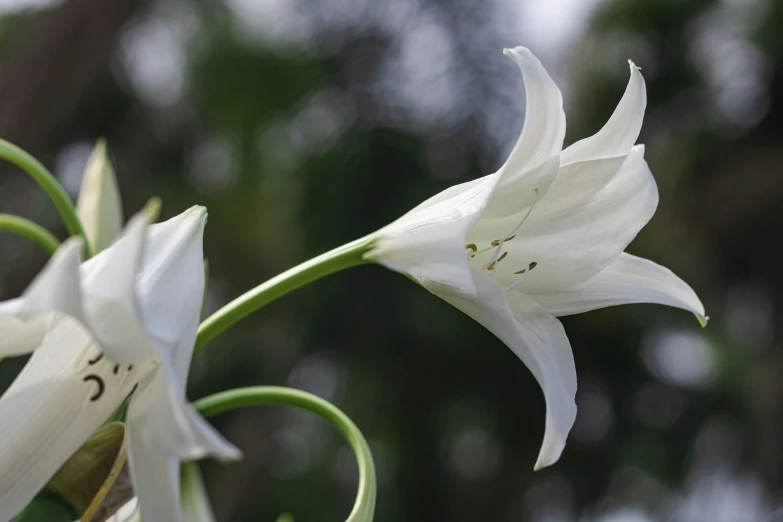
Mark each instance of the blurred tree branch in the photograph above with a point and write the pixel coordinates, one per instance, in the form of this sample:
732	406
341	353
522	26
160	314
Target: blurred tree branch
56	72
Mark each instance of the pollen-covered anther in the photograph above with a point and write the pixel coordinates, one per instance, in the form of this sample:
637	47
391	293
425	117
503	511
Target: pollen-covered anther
495	242
491	266
511	237
524	273
472	247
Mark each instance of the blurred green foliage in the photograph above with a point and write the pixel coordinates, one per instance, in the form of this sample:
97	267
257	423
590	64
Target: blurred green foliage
297	144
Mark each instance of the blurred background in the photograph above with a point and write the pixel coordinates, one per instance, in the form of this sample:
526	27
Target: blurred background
303	124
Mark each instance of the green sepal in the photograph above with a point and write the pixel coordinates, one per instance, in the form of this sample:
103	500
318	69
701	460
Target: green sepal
81	477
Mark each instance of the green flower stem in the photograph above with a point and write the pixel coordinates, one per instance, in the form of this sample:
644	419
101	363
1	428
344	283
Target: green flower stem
346	256
364	507
49	184
30	230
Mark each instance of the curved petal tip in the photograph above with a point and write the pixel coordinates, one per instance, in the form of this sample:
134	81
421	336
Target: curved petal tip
151	210
703	320
559	422
514	52
196	215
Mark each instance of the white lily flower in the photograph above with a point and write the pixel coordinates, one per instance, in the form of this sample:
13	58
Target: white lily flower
99	206
542	237
122	323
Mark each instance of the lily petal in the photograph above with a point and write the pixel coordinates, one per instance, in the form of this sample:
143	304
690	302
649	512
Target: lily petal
55	291
56	288
163	430
429	244
155	479
170	285
516	194
99	207
171	426
541	139
621	131
539	340
50	410
109	285
629	279
572	238
544	128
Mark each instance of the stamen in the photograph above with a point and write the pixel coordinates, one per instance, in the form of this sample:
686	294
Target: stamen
512	234
493	244
99	382
96	359
472	247
524	272
496	242
116	369
491	266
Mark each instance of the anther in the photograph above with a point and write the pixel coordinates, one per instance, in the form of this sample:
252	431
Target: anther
96	359
491	266
524	273
130	367
472	247
116	369
498	244
502	257
99	382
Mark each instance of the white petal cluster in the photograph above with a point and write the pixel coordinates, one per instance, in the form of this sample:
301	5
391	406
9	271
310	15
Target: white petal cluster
121	324
543	237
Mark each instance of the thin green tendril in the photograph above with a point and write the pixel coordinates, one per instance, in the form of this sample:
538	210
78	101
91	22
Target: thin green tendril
364	507
30	230
50	185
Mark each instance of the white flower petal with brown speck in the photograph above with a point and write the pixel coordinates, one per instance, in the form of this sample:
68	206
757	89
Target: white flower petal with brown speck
122	323
542	237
